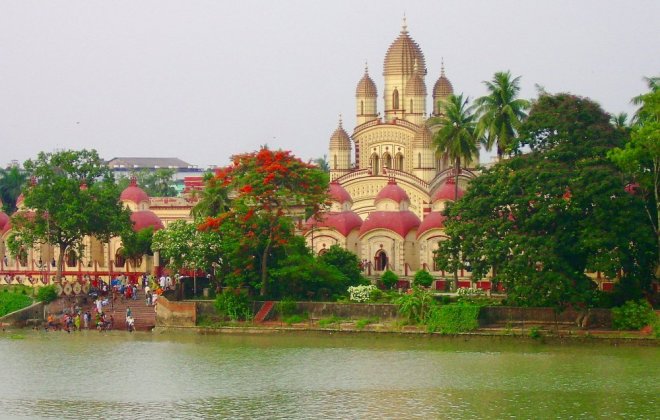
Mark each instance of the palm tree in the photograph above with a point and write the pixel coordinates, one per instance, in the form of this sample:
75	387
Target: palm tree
12	181
620	122
213	199
323	163
457	139
501	112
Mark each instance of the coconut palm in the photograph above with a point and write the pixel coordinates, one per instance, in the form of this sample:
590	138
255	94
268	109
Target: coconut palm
501	112
457	139
12	181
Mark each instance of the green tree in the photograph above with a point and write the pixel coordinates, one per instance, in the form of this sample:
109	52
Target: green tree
135	245
185	246
269	186
213	199
389	279
12	181
346	262
540	220
640	157
501	112
73	196
158	183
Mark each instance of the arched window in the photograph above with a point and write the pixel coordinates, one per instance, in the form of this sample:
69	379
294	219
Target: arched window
419	160
411	107
374	164
398	162
71	258
323	251
335	161
387	160
380	260
120	261
395	99
361	107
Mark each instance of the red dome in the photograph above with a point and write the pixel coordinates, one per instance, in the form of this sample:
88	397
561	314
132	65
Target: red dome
338	193
433	220
144	219
447	191
134	193
400	222
343	222
392	192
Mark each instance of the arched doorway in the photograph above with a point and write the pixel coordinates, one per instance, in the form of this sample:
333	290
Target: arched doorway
374	164
387	161
380	260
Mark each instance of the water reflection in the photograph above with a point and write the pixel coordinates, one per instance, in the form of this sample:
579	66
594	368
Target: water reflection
117	375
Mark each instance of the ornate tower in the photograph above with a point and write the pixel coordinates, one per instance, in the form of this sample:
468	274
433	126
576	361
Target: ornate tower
415	95
340	152
441	91
398	70
366	96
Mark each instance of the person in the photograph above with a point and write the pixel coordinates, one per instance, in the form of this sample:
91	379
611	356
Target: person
76	323
162	281
135	292
130	323
51	322
129	313
149	297
99	305
86	319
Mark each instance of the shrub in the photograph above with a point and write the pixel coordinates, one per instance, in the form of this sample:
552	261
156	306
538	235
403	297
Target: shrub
234	304
535	333
453	319
423	278
361	293
389	279
329	321
360	324
47	294
287	306
633	315
295	319
416	304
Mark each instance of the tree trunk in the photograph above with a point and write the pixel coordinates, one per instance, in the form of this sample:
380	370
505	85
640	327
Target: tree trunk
60	263
264	267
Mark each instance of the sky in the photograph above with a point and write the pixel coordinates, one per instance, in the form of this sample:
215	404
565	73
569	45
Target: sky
202	80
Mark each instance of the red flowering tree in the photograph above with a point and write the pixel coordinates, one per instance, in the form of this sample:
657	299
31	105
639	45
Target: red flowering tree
268	187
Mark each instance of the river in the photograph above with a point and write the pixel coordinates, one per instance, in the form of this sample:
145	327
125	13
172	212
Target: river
311	375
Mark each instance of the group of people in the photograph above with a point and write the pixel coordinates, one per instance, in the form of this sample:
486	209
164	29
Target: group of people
78	321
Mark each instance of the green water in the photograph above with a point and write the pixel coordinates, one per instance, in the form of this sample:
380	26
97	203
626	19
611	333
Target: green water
117	375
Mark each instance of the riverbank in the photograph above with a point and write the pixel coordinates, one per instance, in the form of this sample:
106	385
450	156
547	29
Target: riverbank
614	338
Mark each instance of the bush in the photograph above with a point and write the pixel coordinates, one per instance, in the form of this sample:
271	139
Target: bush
360	324
453	319
423	278
416	304
47	294
295	319
389	279
10	302
286	307
234	304
633	315
361	293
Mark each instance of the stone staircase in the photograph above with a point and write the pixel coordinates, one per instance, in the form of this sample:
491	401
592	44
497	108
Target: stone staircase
145	316
265	310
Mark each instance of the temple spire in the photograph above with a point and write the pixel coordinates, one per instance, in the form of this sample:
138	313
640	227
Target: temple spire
442	67
404	26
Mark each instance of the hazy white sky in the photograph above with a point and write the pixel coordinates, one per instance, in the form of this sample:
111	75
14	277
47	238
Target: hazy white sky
201	80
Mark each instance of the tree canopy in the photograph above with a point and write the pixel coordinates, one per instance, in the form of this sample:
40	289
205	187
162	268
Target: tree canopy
72	195
158	183
266	186
539	220
12	181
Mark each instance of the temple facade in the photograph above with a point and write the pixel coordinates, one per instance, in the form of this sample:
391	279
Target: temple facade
388	184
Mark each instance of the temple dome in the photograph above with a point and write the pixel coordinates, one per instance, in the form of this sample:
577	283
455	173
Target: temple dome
392	192
433	220
416	85
343	222
402	55
442	87
134	194
423	138
400	222
4	220
366	87
338	193
146	218
447	191
340	139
